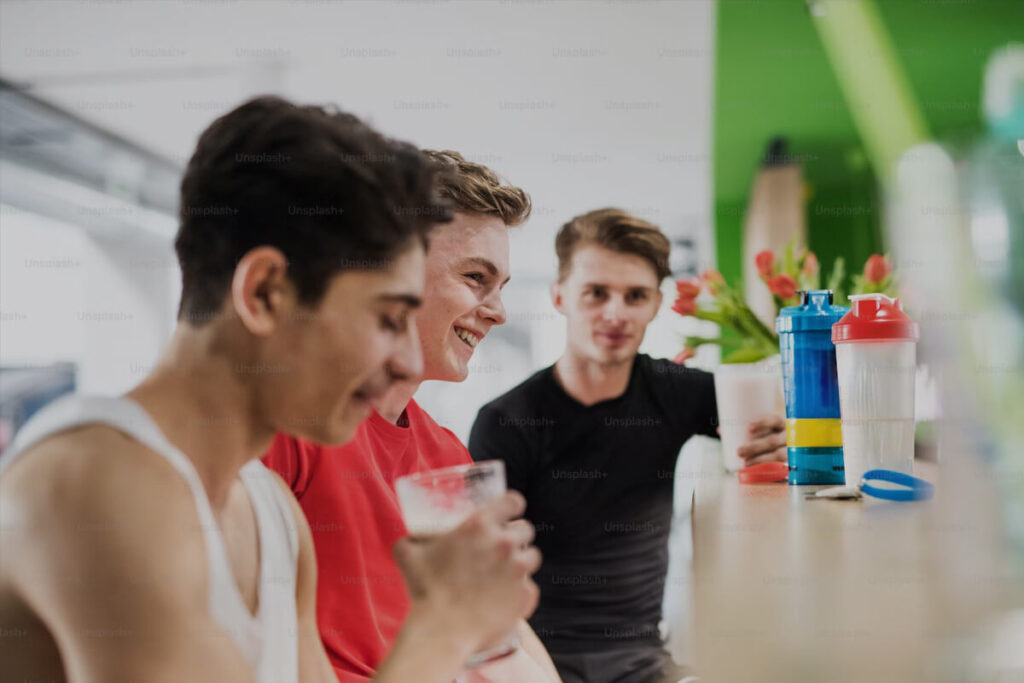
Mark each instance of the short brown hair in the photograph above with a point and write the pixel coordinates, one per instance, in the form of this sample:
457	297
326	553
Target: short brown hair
616	230
315	182
474	188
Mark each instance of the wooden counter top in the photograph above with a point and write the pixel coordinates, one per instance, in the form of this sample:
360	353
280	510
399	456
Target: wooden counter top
789	589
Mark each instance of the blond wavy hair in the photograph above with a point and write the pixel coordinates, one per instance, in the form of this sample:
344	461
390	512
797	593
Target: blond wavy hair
474	188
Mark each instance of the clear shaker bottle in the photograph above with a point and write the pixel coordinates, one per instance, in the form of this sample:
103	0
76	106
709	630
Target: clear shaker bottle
876	360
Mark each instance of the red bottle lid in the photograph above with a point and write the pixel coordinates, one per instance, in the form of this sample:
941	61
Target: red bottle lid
874	317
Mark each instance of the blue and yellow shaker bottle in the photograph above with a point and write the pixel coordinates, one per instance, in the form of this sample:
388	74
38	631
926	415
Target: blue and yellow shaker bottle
813	432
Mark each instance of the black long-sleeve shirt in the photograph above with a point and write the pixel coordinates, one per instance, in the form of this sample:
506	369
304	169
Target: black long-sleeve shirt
598	481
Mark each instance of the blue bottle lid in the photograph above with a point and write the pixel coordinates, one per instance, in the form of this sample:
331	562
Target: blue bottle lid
815	312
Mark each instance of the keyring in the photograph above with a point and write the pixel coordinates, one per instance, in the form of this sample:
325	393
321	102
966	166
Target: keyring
916	489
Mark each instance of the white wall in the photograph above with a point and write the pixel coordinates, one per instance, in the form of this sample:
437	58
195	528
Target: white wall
585	104
108	308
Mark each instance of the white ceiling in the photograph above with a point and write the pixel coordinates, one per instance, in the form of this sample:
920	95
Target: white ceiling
585	104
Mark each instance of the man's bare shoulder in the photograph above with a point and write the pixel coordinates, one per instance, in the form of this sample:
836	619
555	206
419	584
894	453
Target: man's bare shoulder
84	465
102	543
98	495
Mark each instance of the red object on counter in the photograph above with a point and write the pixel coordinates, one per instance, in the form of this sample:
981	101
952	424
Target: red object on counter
764	473
874	317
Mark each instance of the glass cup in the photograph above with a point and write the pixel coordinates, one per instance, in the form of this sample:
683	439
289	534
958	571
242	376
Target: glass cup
436	501
745	392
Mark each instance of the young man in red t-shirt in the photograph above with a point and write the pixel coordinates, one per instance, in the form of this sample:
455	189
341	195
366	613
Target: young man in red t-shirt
347	492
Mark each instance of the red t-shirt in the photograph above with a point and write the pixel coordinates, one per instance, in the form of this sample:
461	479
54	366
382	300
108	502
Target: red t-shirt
348	495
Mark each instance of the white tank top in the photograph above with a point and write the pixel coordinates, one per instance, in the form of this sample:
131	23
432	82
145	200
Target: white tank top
269	640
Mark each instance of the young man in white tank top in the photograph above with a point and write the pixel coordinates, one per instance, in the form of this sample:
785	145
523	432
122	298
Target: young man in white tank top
140	540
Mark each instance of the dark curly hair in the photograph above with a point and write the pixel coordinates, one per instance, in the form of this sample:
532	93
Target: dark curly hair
320	185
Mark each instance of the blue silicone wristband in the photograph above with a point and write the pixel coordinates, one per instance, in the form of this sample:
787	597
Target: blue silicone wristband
916	489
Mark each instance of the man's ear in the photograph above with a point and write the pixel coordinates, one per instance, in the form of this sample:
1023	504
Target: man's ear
556	296
260	291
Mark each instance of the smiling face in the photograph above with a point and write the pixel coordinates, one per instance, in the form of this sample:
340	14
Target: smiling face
607	298
467	267
325	364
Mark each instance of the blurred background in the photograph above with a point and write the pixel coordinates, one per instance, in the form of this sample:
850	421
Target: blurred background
584	105
662	108
855	126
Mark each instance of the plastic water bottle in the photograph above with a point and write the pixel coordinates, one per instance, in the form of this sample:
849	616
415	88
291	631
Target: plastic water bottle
813	432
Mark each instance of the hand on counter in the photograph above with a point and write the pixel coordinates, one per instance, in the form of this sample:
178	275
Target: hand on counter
766	441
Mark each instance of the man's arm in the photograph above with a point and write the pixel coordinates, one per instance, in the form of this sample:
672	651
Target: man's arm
538	653
530	664
103	544
688	396
481	562
693	392
498	437
495	437
468	587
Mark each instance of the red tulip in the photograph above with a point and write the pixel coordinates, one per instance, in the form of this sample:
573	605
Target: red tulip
765	261
713	279
711	275
688	289
685	305
810	264
783	286
877	269
684	355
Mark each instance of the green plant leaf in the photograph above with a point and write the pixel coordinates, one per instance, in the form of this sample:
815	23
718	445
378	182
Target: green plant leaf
710	315
749	355
788	260
726	344
835	279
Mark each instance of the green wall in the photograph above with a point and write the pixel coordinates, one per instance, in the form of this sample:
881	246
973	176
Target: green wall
773	78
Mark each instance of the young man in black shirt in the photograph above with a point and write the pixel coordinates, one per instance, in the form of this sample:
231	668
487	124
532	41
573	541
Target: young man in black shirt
592	443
